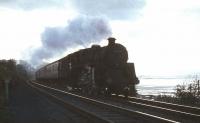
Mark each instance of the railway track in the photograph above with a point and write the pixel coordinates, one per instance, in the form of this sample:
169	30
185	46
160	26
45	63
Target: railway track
99	111
182	108
169	111
82	114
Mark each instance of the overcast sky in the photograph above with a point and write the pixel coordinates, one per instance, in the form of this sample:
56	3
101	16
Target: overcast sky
161	36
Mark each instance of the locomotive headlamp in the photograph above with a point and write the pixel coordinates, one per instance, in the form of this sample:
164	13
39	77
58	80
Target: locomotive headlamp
126	88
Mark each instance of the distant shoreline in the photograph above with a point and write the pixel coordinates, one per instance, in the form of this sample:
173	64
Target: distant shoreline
159	86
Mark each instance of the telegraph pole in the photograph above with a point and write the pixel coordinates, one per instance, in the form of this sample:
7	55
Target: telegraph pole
198	88
7	81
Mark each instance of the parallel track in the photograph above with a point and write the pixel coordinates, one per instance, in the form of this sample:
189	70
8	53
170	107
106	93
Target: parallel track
183	108
103	112
169	111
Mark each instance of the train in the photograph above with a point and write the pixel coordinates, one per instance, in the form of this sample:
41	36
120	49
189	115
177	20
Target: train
93	71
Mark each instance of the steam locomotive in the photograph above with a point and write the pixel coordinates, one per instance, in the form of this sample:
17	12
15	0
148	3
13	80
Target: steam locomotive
95	70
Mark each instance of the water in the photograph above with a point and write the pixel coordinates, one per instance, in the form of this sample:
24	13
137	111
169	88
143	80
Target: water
159	86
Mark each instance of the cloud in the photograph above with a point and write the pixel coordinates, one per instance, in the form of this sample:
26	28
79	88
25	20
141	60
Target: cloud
113	9
82	31
32	4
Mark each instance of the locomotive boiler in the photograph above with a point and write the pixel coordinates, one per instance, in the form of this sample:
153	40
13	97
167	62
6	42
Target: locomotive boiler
95	70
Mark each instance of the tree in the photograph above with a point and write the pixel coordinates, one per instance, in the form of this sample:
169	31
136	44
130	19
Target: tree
7	69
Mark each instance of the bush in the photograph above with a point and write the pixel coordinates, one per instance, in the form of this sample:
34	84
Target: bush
186	94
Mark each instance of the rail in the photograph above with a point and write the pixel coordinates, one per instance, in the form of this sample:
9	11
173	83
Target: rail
113	108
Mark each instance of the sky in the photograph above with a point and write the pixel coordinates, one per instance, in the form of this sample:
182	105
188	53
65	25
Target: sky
161	36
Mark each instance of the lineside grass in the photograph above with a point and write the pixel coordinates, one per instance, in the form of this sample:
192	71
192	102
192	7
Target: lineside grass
4	113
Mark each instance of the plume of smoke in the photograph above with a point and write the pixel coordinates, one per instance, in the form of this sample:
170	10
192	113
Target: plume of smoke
80	31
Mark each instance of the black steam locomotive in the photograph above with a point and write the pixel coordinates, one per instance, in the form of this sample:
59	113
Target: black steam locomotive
95	70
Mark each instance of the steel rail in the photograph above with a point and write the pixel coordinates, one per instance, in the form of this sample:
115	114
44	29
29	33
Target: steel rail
90	116
177	107
148	117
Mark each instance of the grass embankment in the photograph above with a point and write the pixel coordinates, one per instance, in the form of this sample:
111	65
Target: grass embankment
4	113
